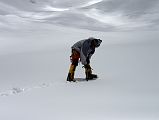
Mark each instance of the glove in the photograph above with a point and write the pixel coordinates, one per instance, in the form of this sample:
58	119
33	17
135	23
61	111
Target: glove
87	66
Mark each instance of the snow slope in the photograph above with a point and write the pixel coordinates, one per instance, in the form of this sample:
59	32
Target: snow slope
97	15
34	62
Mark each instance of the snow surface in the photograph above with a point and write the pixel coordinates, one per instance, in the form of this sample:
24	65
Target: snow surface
34	63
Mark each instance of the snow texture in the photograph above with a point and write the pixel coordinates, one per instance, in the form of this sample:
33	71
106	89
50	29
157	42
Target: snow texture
97	15
38	57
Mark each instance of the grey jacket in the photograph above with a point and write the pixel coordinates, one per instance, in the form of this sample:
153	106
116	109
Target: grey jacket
85	49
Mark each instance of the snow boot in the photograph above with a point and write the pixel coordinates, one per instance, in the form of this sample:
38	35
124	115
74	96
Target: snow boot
88	72
70	76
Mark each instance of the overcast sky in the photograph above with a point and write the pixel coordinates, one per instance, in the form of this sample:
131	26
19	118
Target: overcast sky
98	15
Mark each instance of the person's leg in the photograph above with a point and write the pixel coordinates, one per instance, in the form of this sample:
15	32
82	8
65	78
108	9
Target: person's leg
88	72
74	62
71	73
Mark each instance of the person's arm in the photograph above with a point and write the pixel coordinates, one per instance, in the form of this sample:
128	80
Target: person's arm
89	56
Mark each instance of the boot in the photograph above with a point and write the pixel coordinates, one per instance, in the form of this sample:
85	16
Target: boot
70	76
88	72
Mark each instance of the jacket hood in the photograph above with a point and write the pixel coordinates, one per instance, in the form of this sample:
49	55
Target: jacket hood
96	41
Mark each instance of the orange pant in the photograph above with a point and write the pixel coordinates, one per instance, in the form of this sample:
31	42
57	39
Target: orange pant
74	57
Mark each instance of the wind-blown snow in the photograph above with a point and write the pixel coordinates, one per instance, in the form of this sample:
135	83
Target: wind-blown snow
49	8
98	15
